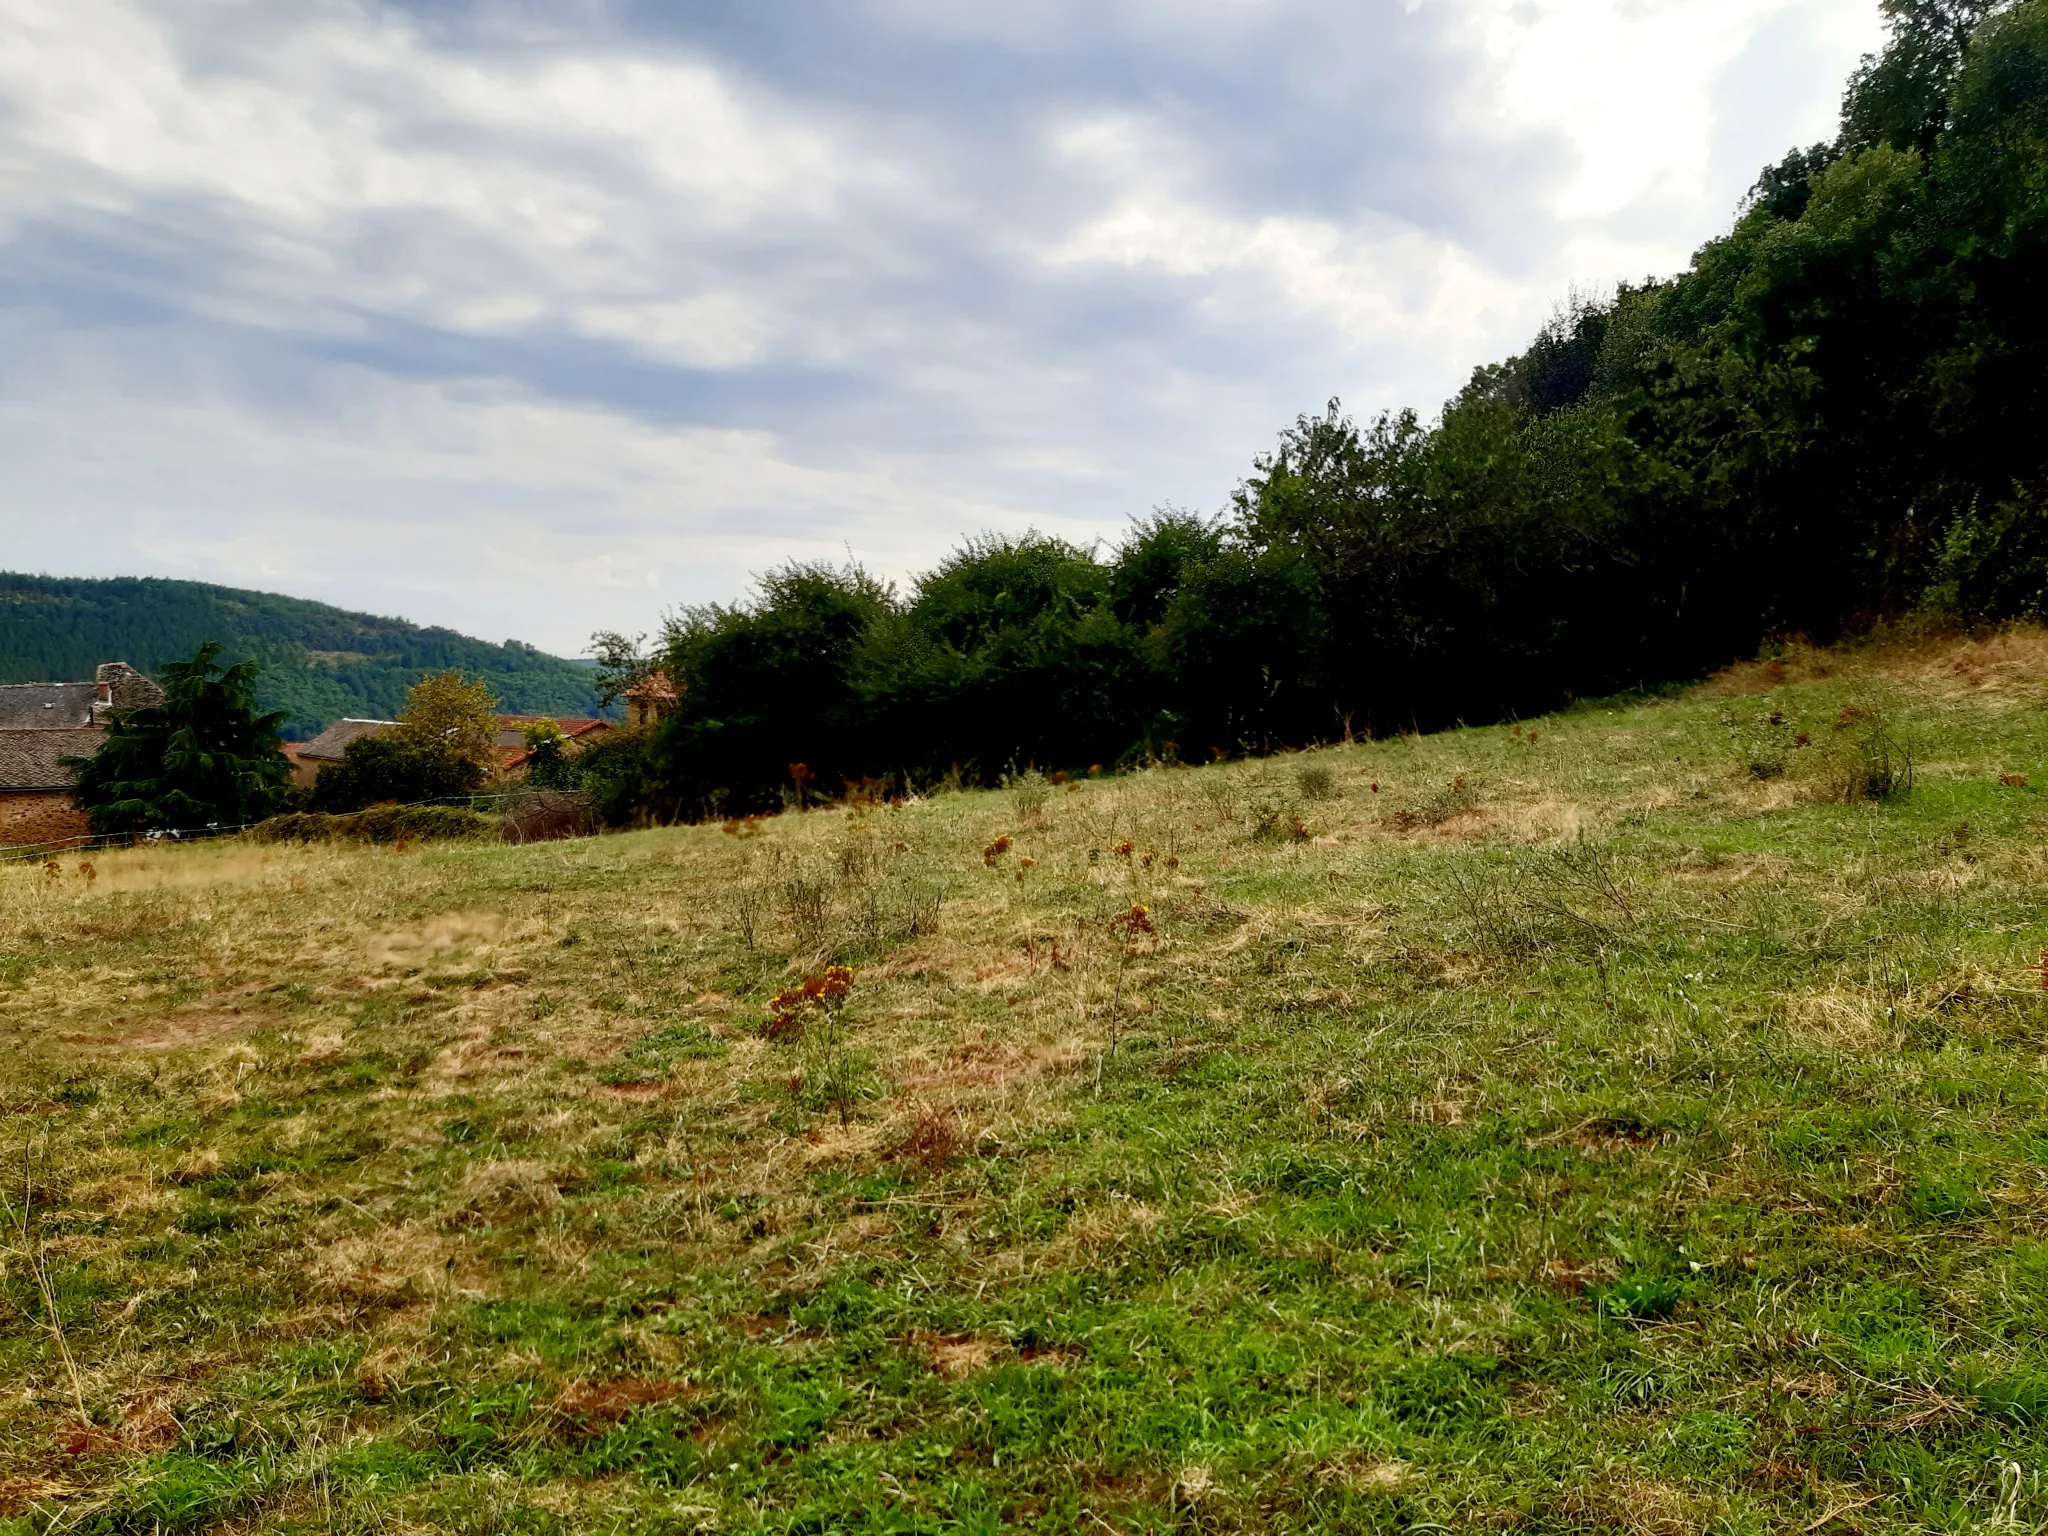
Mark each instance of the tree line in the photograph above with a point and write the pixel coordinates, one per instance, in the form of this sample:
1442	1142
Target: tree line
317	663
1834	415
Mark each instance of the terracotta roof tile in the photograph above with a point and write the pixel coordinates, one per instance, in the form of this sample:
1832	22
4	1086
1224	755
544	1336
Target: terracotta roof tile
511	739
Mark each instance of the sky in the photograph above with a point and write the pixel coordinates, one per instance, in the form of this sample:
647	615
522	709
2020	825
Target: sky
533	319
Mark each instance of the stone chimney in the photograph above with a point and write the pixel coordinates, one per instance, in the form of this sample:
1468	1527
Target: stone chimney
121	687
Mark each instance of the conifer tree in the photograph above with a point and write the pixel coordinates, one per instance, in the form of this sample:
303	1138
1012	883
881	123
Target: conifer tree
204	758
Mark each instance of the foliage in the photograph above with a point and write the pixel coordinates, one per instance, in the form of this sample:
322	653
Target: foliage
770	684
444	747
623	663
454	716
381	824
319	664
623	777
392	769
548	761
1837	414
204	758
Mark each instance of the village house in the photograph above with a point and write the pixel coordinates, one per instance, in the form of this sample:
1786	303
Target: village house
513	752
41	724
309	758
653	698
326	749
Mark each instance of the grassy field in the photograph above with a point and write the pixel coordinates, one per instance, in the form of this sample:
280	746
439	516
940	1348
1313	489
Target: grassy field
1620	1122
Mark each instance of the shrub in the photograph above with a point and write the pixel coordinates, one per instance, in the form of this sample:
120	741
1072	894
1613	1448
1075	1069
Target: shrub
1317	781
548	763
1453	800
1865	760
620	776
1030	793
381	824
392	767
533	814
1764	744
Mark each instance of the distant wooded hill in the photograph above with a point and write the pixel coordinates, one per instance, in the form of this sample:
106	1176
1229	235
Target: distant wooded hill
319	663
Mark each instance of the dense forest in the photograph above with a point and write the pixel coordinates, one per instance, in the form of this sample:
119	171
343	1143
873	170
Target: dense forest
317	663
1834	416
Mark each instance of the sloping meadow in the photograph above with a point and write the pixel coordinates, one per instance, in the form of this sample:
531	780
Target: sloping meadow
1629	1120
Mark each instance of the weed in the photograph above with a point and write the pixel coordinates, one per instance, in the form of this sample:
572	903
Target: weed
810	1014
1317	781
1763	743
807	904
1866	759
1455	799
1274	816
1030	794
1223	794
749	906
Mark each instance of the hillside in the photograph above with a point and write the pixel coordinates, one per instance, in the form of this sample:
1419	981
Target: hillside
1598	1124
319	663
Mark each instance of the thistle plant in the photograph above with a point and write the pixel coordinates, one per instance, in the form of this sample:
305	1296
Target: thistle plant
809	1016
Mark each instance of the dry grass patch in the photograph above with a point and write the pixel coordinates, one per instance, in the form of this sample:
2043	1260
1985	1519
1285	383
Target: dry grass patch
441	1235
387	1264
1616	1500
1365	1473
1846	1018
957	1355
2006	667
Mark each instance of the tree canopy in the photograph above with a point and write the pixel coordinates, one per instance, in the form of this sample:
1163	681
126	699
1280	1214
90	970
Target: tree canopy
444	747
204	758
1835	414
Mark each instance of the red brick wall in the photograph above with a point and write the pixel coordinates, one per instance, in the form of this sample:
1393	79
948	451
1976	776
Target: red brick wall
39	816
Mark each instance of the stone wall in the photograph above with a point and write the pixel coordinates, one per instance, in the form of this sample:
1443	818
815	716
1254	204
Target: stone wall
39	816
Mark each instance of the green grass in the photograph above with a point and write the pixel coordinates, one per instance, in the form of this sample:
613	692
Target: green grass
1617	1142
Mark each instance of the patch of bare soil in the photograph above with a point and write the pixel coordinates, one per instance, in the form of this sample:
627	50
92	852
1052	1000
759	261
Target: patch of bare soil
591	1407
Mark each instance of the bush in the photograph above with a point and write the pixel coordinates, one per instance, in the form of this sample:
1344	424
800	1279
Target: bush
1318	781
535	814
1864	760
381	824
620	776
392	767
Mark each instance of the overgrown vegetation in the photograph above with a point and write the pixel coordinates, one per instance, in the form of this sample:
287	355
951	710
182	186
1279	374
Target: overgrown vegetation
445	747
1835	414
1571	1130
380	824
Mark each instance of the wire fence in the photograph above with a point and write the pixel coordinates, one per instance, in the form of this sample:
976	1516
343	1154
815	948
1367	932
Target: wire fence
94	842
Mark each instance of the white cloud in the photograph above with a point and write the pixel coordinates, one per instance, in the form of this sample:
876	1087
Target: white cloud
487	328
1630	84
566	191
500	512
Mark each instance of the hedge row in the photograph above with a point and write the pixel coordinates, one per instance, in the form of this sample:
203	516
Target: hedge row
382	824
